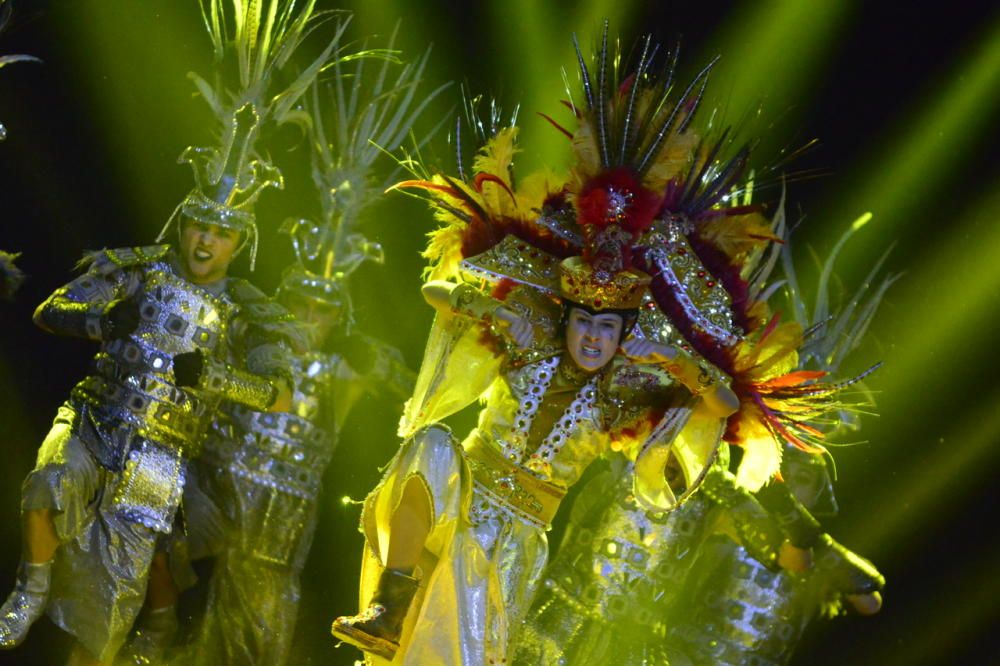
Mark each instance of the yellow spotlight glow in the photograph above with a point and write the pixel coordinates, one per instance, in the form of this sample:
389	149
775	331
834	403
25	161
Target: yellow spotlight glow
771	52
907	170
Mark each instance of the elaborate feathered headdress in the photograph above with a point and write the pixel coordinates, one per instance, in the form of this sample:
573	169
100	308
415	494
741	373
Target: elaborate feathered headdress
649	195
261	38
358	116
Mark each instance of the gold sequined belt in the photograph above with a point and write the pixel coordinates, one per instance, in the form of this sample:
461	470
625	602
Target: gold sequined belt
512	484
172	424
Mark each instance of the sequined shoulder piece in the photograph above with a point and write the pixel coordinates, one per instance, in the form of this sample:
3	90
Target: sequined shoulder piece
127	257
515	260
266	315
109	260
245	292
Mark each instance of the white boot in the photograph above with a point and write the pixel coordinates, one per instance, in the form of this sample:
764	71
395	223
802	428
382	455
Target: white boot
25	604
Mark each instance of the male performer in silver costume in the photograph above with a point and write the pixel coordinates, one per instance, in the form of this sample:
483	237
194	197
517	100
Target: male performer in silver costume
177	338
264	471
723	579
101	503
261	472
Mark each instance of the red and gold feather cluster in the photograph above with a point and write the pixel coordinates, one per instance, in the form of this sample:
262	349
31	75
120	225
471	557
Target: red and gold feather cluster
640	171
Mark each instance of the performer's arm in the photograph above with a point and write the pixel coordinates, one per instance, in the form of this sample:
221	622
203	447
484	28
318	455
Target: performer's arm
466	300
758	531
374	367
718	397
94	306
259	393
264	380
459	299
803	529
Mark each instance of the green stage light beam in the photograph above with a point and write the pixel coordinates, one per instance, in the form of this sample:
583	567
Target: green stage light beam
905	171
971	612
962	286
590	17
770	54
966	455
122	52
959	282
376	19
534	65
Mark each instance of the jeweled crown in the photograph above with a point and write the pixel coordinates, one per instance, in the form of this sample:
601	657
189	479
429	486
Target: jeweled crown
582	283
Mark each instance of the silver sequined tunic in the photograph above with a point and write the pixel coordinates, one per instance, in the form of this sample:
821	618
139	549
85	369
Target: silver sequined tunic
263	471
605	597
112	469
488	552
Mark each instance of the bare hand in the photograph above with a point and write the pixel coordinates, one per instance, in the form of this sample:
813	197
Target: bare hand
518	328
792	558
721	399
865	604
436	293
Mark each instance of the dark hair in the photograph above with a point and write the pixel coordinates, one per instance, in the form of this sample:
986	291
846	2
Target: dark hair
629	317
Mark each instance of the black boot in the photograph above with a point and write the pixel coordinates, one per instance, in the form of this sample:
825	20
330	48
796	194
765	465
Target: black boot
377	628
154	632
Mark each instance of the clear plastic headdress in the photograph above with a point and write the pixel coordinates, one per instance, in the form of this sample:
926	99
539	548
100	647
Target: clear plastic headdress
260	39
364	112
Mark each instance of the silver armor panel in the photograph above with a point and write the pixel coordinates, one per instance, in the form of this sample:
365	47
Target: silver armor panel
278	450
286	451
271	465
605	596
134	380
741	612
134	385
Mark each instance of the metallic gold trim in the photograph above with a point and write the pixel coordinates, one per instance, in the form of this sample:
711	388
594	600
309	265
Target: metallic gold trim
513	485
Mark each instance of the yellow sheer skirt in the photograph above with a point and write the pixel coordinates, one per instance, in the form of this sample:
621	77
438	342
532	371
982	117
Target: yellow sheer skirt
481	562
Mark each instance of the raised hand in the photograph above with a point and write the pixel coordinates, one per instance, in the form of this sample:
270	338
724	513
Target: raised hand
516	327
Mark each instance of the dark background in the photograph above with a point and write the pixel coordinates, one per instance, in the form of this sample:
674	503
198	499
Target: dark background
901	97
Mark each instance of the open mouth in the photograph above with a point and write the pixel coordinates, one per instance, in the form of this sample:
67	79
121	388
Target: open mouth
202	254
588	351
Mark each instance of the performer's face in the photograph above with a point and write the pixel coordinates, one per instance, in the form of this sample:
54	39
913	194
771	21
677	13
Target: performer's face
320	317
592	338
207	250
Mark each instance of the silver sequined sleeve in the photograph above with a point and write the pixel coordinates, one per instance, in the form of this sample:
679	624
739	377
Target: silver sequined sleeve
76	308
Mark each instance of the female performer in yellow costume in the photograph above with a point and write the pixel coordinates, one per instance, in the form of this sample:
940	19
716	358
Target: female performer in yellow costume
539	320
